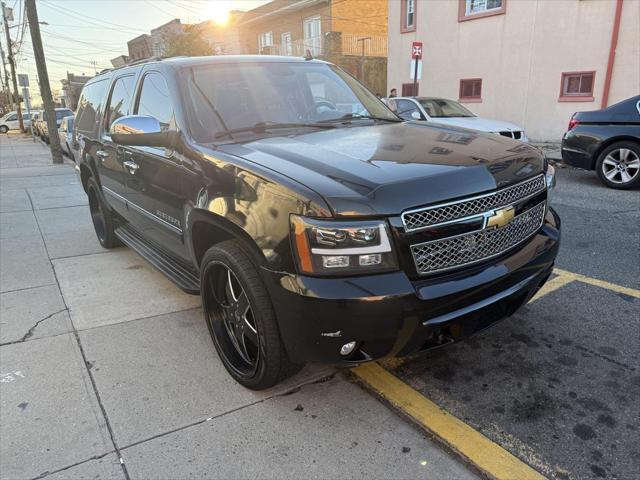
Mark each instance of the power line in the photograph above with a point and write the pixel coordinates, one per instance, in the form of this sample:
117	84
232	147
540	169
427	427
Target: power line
87	18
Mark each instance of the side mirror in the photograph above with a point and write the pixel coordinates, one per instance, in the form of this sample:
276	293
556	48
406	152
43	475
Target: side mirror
141	131
416	115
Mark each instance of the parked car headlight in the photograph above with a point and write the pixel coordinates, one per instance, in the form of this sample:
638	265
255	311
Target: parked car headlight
550	179
327	247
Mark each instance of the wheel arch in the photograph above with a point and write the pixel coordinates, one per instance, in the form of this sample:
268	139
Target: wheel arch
207	229
607	143
88	169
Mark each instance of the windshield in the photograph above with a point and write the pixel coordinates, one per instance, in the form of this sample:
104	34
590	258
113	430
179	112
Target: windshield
239	96
60	114
443	108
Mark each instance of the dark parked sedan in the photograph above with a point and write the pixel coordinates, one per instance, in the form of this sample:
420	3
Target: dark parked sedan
607	141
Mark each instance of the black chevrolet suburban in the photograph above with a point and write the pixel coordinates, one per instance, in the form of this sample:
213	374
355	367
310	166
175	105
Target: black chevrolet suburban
315	224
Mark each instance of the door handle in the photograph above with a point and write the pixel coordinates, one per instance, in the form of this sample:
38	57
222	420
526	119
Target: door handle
131	166
102	155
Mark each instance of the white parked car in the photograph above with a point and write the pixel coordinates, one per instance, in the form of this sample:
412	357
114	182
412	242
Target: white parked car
448	112
10	122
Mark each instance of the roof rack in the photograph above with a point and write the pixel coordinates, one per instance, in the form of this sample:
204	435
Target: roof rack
137	62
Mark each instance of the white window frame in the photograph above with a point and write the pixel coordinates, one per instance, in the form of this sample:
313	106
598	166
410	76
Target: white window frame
481	7
314	44
265	39
410	10
286	43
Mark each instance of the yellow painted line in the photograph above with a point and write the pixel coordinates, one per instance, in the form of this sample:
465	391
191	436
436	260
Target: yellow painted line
632	292
486	455
489	457
551	286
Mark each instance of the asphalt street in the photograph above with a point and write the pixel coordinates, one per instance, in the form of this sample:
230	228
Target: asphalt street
558	383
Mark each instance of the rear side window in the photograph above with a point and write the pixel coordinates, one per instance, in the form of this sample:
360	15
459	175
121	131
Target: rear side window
90	106
154	100
120	99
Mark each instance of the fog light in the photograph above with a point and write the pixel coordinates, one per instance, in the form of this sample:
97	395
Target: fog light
347	348
371	259
333	261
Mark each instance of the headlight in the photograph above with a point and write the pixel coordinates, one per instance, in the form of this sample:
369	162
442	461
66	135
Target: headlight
550	179
327	247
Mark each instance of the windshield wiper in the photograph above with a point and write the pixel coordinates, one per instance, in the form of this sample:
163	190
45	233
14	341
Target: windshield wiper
262	127
357	116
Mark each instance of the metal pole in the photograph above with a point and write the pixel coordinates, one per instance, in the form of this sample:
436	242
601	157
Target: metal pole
415	78
45	88
362	40
12	64
5	89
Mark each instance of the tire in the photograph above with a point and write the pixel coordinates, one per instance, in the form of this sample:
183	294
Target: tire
618	165
4	129
104	220
229	283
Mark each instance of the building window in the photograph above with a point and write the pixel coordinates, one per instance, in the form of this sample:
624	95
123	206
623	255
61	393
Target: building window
471	90
470	9
286	46
265	40
312	30
408	15
577	86
410	89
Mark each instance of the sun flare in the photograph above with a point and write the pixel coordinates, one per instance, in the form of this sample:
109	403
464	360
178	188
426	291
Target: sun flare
219	14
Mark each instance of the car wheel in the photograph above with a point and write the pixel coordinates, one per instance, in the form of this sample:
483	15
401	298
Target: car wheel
4	129
618	165
241	319
103	218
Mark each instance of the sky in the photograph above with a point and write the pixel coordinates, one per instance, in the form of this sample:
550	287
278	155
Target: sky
80	32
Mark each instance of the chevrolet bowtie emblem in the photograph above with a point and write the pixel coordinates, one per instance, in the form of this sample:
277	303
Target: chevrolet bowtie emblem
499	218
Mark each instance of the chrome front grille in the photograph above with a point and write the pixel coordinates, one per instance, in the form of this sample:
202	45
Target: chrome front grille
438	214
466	249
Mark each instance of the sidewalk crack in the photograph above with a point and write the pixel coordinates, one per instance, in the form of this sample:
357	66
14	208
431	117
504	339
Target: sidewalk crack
30	332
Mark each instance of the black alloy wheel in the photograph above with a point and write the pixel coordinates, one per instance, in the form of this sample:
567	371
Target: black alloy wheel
241	319
103	219
233	318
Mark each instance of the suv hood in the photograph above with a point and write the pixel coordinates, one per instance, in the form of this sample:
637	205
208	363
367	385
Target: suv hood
479	123
385	169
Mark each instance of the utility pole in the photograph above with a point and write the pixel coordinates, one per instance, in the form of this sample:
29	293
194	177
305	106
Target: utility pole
12	64
5	82
45	88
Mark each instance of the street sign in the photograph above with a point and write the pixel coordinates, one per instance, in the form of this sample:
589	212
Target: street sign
414	67
23	79
416	50
26	98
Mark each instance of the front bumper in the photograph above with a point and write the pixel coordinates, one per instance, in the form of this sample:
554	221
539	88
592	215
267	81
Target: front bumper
391	315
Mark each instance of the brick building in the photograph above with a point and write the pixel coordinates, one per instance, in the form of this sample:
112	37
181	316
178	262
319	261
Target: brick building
139	48
349	33
161	35
224	39
71	89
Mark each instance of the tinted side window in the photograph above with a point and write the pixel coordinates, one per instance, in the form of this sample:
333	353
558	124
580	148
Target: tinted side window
154	100
90	106
406	108
120	99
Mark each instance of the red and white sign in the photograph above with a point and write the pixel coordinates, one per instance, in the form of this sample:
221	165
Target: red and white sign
416	50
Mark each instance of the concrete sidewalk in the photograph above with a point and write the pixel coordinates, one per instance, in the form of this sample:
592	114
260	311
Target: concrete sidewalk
108	371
